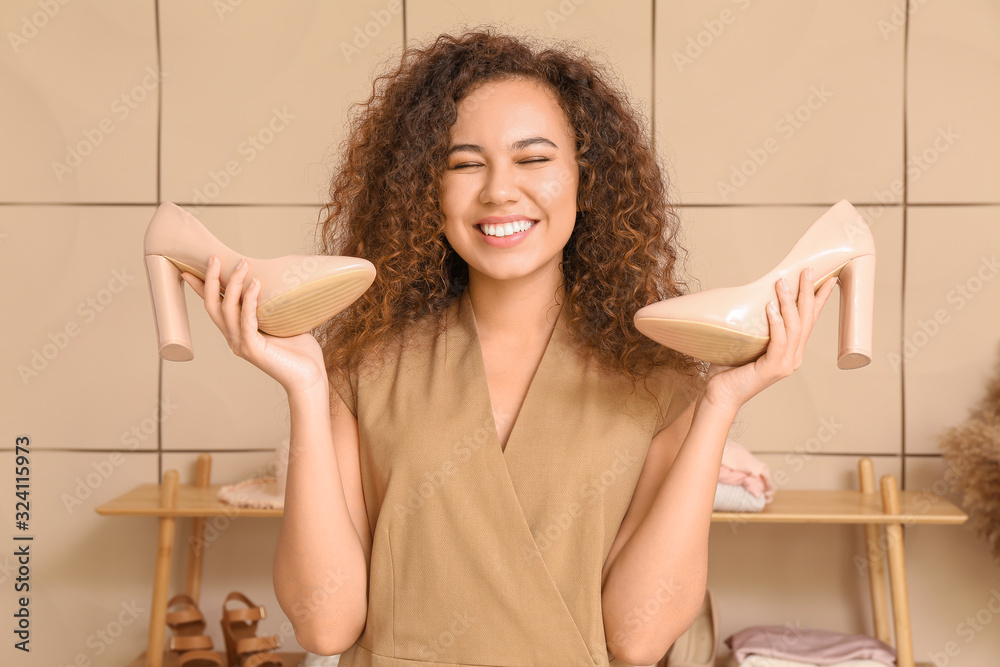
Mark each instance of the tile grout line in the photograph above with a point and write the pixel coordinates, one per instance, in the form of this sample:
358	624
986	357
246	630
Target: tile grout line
159	162
902	296
652	58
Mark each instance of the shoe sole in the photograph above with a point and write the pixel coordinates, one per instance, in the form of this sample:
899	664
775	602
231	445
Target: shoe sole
708	342
305	307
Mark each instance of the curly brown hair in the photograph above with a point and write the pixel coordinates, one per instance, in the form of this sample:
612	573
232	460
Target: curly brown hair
384	202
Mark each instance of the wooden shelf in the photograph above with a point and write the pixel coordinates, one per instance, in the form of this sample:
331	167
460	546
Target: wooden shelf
192	501
170	659
789	506
854	507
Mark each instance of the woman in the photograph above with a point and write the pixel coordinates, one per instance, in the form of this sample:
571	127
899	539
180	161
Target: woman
506	471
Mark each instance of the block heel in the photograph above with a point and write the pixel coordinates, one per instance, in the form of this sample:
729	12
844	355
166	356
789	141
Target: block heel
166	290
857	308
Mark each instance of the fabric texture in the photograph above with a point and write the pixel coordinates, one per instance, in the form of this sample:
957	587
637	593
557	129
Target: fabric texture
735	498
754	660
483	556
816	647
739	466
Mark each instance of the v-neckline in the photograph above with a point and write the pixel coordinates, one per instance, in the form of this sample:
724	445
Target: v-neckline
479	360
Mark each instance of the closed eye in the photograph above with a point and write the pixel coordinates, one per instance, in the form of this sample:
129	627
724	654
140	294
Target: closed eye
465	165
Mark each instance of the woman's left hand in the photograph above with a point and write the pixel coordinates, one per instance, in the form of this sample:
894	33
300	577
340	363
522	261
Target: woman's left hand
731	386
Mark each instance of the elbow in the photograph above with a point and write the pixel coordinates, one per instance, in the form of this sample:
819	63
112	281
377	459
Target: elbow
316	644
323	641
633	648
323	624
645	643
632	653
322	644
324	632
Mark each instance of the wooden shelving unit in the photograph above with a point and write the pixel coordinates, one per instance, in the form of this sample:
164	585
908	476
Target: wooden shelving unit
168	501
883	514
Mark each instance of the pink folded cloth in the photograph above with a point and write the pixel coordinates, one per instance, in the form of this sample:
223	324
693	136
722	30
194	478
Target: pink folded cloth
817	647
741	467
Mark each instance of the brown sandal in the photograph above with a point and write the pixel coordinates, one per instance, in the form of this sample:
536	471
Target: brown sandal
239	627
192	646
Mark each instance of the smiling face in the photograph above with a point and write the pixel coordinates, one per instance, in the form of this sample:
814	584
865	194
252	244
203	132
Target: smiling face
509	192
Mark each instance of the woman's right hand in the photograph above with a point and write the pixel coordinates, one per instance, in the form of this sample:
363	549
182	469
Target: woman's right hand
295	362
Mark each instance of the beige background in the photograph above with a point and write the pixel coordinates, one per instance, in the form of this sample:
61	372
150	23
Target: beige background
765	112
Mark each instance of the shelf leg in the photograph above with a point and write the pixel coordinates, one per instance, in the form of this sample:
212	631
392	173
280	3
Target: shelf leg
875	560
161	579
897	573
196	541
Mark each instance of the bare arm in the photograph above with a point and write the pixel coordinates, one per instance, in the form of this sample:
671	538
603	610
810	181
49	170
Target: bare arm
656	571
320	571
655	579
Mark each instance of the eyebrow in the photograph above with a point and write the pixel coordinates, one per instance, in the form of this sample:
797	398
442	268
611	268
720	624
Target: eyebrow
518	145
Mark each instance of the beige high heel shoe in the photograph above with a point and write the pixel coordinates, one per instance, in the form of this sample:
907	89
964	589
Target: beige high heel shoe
729	326
297	292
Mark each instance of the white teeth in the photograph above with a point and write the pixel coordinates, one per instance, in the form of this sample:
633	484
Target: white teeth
507	228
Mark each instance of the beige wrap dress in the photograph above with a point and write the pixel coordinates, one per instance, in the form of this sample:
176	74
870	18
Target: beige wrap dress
490	556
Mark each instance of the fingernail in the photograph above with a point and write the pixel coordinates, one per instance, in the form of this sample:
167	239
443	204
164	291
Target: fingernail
809	273
773	306
784	285
243	262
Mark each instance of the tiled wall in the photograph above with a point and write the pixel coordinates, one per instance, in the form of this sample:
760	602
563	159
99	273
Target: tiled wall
766	113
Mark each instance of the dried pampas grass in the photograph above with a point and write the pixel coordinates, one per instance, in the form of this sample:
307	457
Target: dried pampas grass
972	452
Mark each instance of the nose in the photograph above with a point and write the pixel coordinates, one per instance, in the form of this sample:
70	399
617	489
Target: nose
500	186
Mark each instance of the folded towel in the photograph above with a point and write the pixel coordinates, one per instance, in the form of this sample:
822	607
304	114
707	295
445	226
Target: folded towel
735	498
739	466
816	647
754	660
754	484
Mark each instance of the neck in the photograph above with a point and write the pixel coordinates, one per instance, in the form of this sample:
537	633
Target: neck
519	310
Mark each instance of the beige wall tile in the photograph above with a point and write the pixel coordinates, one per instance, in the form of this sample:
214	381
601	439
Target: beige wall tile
238	551
228	66
80	354
90	576
799	574
619	33
223	401
80	88
845	411
793	102
254	105
954	585
953	90
952	336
